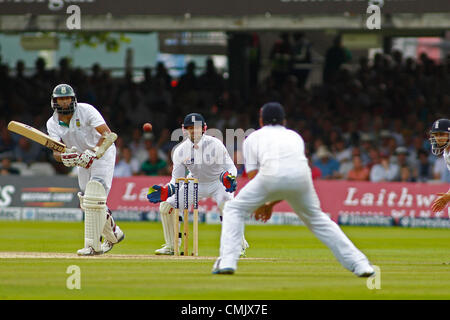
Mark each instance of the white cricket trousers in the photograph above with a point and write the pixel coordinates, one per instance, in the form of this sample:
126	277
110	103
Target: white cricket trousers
298	190
101	170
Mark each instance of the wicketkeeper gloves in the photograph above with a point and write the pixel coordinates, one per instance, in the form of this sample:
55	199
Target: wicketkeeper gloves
157	193
228	181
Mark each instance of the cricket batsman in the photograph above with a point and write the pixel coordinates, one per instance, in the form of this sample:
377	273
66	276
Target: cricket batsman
440	144
206	159
84	131
278	168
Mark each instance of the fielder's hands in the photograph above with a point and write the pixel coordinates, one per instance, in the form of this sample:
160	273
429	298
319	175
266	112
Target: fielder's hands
440	203
86	158
157	193
228	181
70	157
264	212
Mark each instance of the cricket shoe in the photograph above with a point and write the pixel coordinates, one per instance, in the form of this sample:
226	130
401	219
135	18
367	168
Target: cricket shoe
245	246
364	270
108	245
218	270
89	251
165	250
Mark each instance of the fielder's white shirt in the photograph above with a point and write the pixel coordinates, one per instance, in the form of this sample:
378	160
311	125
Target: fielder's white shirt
81	132
205	161
274	150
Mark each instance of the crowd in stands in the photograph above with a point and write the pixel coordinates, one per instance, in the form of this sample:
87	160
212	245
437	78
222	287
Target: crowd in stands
369	124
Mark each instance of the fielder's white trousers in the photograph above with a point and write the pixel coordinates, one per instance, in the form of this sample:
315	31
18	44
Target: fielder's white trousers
298	190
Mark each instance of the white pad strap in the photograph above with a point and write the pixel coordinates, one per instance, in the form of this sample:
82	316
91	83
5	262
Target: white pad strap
109	228
94	203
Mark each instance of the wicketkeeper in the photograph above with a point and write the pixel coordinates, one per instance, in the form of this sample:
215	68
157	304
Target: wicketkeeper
83	130
207	159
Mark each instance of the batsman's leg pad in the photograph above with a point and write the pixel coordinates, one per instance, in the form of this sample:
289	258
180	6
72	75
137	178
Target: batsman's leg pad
94	203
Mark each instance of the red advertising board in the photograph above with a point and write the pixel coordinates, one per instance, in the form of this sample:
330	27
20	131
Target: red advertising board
338	198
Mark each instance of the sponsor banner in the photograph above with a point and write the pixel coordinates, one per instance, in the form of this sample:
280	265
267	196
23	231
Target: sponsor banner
50	192
375	200
424	222
358	220
10	213
219	8
43	214
346	202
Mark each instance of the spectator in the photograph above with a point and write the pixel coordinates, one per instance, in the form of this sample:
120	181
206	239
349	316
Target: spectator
402	161
384	171
153	166
28	152
189	80
405	174
359	172
329	167
129	159
280	56
340	151
315	171
6	168
126	164
301	56
336	56
210	80
121	169
423	169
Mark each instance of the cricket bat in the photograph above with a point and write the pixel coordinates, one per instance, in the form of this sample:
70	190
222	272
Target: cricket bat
36	135
44	139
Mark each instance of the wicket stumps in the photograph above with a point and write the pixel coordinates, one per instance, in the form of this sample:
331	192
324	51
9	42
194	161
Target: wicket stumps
186	216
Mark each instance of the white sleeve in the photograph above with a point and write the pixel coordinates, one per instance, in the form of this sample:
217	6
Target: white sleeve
179	170
95	118
250	155
228	164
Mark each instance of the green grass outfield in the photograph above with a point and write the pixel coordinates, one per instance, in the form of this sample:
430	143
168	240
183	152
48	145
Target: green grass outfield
284	262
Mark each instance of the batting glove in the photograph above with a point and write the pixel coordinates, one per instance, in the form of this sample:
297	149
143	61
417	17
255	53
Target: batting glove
70	157
228	181
157	193
86	158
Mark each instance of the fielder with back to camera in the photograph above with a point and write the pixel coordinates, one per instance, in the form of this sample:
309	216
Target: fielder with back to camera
83	130
207	159
440	144
278	168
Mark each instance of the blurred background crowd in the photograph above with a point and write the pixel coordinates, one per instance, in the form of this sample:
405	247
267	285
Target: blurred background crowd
368	123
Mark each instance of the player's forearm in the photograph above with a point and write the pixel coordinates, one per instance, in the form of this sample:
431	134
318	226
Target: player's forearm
103	130
57	156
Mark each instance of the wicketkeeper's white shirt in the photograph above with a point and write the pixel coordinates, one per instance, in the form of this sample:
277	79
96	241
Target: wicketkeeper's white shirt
205	161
